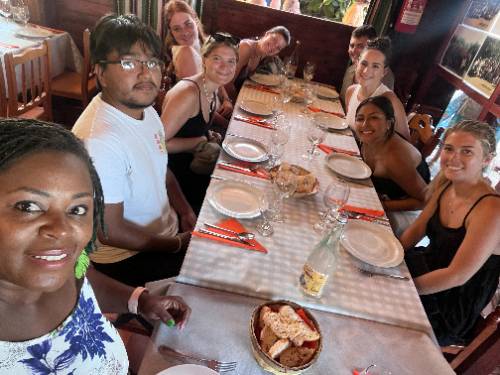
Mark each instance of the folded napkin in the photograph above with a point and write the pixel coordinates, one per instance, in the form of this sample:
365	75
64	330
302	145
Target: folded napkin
254	120
258	172
235	225
329	149
262	88
7	45
316	109
363	210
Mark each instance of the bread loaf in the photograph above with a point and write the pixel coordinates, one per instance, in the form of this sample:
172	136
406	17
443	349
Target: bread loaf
267	339
296	356
278	347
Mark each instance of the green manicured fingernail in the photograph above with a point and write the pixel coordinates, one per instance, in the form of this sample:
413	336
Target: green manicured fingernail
170	323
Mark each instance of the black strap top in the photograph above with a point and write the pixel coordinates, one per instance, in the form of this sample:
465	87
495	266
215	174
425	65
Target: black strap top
458	307
197	126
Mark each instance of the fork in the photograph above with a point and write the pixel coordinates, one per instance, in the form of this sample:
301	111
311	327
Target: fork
219	366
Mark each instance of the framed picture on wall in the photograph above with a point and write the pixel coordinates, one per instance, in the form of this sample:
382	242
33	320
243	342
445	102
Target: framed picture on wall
484	72
462	49
482	14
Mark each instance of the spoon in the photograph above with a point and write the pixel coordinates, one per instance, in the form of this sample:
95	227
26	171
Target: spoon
240	235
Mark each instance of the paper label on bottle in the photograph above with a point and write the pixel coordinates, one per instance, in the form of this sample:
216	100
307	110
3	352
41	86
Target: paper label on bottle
312	281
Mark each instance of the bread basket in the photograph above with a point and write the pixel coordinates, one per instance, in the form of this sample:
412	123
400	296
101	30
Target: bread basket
263	359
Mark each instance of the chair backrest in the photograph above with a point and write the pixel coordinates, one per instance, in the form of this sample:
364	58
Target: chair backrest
29	87
3	98
87	71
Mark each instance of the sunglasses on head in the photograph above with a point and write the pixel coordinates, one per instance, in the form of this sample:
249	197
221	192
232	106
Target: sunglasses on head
225	37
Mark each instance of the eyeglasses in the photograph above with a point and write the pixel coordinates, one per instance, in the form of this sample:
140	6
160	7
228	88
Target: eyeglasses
134	65
225	37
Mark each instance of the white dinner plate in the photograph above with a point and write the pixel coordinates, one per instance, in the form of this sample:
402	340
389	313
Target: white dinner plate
328	121
188	369
245	149
33	32
372	243
348	166
235	199
256	108
326	92
266	79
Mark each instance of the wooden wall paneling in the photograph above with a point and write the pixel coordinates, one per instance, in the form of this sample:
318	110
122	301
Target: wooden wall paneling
322	42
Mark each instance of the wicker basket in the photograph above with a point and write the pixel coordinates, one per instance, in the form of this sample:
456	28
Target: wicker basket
263	359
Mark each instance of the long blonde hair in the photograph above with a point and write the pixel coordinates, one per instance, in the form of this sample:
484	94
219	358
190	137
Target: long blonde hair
482	131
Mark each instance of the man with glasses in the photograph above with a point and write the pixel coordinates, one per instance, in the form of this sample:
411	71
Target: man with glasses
126	140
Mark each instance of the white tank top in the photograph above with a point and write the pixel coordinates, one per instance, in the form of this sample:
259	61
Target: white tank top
354	102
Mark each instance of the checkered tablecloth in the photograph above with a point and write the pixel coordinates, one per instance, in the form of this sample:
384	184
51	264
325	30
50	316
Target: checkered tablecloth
276	274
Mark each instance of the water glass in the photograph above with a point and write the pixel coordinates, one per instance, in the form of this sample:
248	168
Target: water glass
335	197
21	14
270	209
275	152
5	8
308	71
315	135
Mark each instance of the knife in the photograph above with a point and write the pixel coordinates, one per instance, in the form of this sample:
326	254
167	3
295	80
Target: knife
234	166
391	275
230	238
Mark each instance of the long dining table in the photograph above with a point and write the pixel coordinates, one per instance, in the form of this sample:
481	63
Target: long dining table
363	319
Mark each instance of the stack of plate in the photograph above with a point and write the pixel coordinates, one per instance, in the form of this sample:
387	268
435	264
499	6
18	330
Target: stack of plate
256	108
235	199
348	166
329	122
324	92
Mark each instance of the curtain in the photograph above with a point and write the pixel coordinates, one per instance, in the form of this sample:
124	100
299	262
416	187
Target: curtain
149	11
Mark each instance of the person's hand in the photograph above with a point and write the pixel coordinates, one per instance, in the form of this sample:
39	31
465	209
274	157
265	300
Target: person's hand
214	137
226	108
171	310
187	220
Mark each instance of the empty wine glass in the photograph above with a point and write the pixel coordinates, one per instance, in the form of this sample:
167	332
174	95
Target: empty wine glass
308	71
282	133
286	184
5	8
275	152
315	135
335	197
269	207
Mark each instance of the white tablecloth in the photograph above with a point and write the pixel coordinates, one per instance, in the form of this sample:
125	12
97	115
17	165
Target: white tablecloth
64	54
219	329
275	275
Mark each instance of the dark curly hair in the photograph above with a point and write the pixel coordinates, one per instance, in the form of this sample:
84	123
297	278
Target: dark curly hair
20	138
385	105
382	45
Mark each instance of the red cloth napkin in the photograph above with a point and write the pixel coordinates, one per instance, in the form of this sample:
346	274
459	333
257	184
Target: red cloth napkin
7	45
235	225
316	109
362	210
254	121
262	88
259	172
329	149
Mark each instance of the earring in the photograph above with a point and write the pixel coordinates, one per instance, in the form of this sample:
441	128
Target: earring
82	263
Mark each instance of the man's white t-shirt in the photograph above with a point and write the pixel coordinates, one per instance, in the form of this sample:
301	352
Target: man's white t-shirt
131	160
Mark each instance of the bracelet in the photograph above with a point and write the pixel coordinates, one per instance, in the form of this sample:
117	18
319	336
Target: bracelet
133	301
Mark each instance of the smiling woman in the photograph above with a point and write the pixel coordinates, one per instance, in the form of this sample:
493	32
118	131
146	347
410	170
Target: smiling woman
51	206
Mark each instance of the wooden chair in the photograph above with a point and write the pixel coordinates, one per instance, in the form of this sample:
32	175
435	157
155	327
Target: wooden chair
74	85
3	98
465	355
29	93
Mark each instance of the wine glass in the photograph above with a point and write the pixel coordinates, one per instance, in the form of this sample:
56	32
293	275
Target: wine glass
335	197
275	152
5	8
308	71
286	184
269	207
281	134
21	13
315	135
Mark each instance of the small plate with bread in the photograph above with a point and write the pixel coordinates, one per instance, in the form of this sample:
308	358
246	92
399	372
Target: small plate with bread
307	183
285	337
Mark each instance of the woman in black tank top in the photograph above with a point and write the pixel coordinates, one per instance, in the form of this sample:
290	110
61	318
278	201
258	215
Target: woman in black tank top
188	111
457	274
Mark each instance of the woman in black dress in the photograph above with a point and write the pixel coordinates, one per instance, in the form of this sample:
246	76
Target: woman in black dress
457	274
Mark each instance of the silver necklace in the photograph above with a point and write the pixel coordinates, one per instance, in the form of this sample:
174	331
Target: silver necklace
210	101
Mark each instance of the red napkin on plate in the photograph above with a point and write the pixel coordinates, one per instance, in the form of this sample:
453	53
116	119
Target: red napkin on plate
254	120
329	149
363	210
259	172
316	109
235	225
262	88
